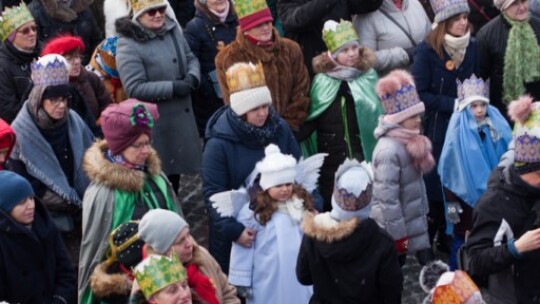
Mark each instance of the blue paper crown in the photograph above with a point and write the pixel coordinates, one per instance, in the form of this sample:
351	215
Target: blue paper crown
404	98
50	74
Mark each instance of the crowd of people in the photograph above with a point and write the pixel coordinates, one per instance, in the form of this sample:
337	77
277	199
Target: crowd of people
333	138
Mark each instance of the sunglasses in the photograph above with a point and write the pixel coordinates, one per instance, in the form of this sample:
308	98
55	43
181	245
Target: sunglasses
26	30
152	12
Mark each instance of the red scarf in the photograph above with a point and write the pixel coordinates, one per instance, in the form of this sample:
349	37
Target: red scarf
256	42
201	284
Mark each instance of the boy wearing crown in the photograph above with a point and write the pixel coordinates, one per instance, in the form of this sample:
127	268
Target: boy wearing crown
477	137
283	62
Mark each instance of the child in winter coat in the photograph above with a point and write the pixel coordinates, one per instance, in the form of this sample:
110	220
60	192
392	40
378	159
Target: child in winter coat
344	105
477	137
345	248
400	159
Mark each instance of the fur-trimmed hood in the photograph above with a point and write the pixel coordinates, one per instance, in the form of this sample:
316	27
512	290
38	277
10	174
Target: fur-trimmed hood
105	284
366	61
129	29
326	229
65	14
102	171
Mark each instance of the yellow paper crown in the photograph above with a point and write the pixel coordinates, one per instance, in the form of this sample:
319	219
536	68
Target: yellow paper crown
460	290
243	76
13	18
247	7
140	5
336	34
157	272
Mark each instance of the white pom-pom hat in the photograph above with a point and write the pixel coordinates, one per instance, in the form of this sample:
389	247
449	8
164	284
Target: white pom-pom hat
276	168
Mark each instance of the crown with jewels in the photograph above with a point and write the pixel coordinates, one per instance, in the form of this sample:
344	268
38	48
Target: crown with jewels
13	18
527	137
244	76
141	5
400	100
444	9
50	72
470	90
247	7
335	35
157	272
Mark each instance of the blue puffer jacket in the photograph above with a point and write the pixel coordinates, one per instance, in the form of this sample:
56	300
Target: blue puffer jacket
437	87
230	155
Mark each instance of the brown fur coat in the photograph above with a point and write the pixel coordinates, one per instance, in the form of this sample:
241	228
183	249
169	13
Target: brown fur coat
286	75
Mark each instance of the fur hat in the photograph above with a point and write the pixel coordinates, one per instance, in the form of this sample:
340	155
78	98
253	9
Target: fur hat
252	13
159	228
353	186
445	9
276	168
13	190
50	70
471	90
63	45
526	115
247	86
399	97
122	123
140	7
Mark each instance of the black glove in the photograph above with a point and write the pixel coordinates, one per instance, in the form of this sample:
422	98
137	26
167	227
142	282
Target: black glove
192	81
181	88
410	53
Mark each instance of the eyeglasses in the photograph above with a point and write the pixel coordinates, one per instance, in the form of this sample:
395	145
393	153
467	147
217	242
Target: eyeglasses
72	58
26	30
57	100
140	146
152	12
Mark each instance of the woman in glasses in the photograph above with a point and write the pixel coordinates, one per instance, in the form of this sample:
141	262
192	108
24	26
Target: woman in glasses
155	64
127	181
19	35
51	140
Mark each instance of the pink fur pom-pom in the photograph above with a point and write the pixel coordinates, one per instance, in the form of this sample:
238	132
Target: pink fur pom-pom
403	76
519	109
393	81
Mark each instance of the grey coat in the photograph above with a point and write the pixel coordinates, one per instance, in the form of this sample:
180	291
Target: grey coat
379	33
148	63
400	204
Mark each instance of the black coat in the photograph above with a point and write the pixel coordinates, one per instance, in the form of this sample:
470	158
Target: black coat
14	79
34	264
349	262
492	41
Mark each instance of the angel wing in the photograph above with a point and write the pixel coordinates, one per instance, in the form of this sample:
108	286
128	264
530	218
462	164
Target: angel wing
307	171
229	203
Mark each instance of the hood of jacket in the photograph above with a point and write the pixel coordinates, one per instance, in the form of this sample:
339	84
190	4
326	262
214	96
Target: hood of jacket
339	241
366	60
508	179
7	131
62	13
105	284
129	29
101	171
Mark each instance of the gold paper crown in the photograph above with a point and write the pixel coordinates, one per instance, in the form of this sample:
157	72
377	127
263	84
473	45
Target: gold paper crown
157	272
460	290
243	76
342	34
13	18
247	7
139	5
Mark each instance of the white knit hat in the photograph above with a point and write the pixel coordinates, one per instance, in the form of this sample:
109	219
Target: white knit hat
159	228
276	168
247	86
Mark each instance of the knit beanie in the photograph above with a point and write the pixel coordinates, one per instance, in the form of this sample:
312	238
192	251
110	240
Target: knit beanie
63	45
445	9
276	168
122	123
247	86
399	97
12	19
336	36
159	228
140	7
13	190
50	70
503	4
353	186
252	13
471	90
526	135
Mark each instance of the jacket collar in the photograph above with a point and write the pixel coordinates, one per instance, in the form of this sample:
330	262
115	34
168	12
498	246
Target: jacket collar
326	229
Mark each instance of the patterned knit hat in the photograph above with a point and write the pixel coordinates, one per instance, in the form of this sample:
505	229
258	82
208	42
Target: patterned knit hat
445	9
353	186
471	90
140	7
13	190
157	272
247	86
12	18
63	45
399	97
276	168
122	123
526	115
104	58
252	13
336	35
50	70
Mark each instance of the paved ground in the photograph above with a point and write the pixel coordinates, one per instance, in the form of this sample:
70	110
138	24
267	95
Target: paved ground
193	206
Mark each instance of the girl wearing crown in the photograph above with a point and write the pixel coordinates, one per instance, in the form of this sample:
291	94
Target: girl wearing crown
400	159
477	137
344	105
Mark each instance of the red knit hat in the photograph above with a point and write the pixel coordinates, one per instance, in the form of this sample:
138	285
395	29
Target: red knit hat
63	45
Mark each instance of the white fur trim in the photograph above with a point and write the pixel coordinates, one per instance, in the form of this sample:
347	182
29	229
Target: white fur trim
467	101
247	100
399	117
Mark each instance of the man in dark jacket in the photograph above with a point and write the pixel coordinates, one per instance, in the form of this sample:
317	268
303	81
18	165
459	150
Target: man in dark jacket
504	242
34	265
